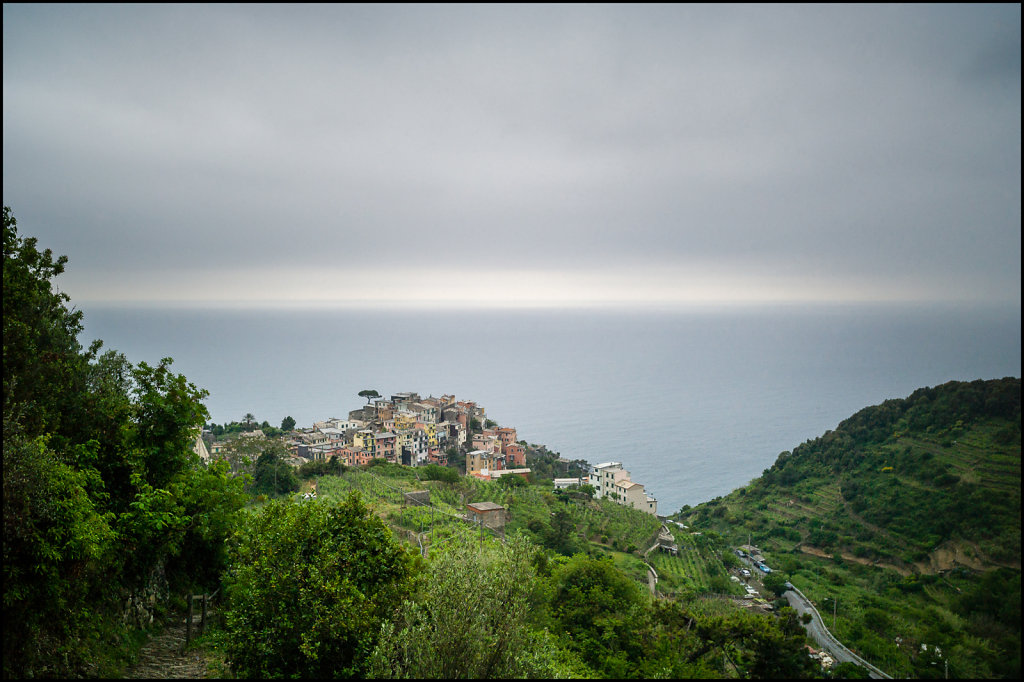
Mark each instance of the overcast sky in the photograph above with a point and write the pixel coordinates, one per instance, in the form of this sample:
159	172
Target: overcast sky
533	155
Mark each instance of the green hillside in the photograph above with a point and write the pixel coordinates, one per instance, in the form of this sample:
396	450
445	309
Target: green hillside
908	514
562	522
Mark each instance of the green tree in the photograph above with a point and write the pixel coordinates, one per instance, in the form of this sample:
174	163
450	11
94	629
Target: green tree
287	424
849	671
57	546
596	609
211	499
168	415
561	534
775	582
777	651
43	363
272	475
761	647
369	394
310	586
101	486
434	472
321	468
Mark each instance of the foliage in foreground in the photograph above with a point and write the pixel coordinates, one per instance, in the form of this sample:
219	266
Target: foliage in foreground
104	501
470	620
309	589
321	589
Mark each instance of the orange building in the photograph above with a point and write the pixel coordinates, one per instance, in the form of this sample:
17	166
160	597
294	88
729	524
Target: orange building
516	454
507	436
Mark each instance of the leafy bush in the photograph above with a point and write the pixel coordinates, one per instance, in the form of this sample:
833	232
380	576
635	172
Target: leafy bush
434	472
470	621
596	606
309	586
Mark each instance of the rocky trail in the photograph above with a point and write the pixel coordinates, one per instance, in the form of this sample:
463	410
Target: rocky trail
162	657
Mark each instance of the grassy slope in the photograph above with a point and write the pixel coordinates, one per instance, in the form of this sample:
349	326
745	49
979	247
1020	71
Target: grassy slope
908	514
599	527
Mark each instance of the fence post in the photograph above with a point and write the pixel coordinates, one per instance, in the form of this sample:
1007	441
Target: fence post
188	622
203	622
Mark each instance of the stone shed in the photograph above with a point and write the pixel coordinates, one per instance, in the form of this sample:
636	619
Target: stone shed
417	498
492	515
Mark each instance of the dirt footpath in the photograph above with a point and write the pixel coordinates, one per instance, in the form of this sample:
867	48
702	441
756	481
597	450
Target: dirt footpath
161	658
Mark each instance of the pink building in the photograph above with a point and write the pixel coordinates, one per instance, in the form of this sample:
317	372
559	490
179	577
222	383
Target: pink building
384	445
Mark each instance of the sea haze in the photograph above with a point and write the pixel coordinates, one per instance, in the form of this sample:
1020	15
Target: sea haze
694	403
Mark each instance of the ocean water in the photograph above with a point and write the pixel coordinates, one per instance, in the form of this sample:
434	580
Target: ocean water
694	403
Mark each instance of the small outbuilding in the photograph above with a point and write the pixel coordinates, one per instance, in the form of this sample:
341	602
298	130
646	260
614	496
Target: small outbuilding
419	498
490	514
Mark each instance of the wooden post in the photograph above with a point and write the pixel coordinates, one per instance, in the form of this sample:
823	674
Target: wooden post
203	623
188	623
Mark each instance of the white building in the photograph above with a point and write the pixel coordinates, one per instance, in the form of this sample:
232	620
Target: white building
611	481
604	475
342	424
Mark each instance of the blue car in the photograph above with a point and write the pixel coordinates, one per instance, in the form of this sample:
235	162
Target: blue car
764	568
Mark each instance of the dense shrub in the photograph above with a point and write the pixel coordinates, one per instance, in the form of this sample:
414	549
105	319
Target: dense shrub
309	587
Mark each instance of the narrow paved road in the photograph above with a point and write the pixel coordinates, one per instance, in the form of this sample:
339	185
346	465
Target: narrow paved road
816	629
819	632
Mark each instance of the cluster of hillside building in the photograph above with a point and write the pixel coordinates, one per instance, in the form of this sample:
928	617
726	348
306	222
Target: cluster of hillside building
611	481
403	429
414	431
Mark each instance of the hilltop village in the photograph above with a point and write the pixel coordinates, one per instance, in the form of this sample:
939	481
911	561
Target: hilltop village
413	431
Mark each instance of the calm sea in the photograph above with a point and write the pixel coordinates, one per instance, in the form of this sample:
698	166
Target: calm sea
695	403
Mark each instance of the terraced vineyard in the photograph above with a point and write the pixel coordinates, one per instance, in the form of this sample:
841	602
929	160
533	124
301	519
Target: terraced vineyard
420	526
695	569
612	526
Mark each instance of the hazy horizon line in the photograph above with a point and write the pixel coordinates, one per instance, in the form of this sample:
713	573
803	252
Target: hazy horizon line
419	305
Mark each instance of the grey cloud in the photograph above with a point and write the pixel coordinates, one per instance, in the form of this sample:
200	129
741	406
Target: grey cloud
829	138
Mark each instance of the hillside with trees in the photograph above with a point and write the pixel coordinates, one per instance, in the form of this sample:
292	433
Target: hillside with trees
908	514
545	594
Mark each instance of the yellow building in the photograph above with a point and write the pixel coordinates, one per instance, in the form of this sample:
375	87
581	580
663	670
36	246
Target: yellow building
405	420
364	440
477	461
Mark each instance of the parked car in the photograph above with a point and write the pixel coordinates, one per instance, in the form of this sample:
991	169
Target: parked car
764	568
745	572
